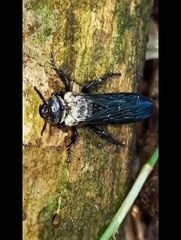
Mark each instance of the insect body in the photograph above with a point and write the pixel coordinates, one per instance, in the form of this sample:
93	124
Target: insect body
83	109
67	108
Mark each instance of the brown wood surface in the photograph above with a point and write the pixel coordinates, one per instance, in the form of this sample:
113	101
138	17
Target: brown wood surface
89	38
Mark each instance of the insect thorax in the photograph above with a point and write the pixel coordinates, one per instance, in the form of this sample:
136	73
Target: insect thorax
78	108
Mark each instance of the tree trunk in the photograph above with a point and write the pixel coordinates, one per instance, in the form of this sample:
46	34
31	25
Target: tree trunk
88	38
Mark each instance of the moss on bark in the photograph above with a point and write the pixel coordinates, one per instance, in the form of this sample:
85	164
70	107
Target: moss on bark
89	38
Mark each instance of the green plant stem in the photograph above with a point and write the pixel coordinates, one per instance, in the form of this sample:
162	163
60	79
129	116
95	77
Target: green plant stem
133	193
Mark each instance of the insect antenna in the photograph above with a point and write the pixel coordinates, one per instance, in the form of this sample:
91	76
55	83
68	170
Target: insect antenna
43	128
40	95
44	101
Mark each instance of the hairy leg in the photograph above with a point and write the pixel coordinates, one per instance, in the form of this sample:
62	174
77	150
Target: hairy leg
72	141
107	136
65	79
87	87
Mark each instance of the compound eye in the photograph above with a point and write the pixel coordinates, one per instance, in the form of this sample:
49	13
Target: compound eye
43	110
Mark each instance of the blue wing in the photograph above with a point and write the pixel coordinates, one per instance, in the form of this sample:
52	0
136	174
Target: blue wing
115	108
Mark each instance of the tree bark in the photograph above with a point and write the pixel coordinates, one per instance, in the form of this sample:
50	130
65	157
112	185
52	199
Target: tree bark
88	38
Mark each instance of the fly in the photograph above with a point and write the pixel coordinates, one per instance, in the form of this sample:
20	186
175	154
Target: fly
66	108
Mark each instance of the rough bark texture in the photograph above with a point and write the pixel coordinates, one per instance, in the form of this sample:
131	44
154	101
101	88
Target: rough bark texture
89	38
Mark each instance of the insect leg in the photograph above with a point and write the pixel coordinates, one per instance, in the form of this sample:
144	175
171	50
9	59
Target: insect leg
87	87
73	140
65	79
101	133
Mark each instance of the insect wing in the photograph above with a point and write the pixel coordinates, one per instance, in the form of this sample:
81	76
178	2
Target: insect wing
118	108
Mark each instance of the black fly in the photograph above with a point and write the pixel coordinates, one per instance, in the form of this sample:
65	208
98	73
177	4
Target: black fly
67	108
